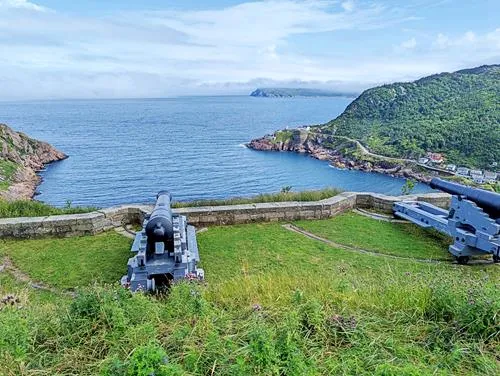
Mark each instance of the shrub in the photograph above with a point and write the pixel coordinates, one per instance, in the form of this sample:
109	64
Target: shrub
473	312
147	360
263	354
14	333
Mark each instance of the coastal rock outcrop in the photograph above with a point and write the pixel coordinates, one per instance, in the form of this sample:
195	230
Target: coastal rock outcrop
342	153
21	157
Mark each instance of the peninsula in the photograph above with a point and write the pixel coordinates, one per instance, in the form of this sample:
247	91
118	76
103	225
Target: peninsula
20	159
438	123
297	92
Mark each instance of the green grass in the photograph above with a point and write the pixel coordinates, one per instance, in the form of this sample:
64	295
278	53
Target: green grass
274	303
283	136
313	195
70	262
7	171
30	208
401	239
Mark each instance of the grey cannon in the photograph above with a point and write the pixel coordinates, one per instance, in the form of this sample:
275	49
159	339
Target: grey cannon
473	220
166	250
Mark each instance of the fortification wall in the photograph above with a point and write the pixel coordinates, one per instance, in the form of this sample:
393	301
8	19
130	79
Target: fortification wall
102	220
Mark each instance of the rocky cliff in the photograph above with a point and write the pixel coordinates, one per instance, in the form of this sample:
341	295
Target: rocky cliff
20	159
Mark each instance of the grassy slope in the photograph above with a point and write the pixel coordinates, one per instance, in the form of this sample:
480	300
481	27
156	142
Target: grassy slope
70	262
275	302
455	113
7	171
390	238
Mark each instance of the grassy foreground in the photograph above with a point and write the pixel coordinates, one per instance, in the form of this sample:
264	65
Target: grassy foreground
274	303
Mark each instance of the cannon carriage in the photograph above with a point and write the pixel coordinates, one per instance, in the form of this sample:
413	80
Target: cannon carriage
473	220
166	250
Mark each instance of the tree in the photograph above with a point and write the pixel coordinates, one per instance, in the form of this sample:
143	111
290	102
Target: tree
408	187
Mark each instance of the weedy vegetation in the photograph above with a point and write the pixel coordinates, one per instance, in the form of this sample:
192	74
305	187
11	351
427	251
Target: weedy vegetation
7	171
32	208
274	303
286	194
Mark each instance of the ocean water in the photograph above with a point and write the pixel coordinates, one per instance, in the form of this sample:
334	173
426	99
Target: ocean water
125	151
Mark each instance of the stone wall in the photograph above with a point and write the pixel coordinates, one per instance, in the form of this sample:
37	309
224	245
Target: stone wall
102	220
384	203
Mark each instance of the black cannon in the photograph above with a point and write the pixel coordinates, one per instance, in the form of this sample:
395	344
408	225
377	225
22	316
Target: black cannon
473	220
159	227
166	250
488	201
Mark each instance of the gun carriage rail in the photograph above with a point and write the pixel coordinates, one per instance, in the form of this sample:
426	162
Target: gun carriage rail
473	220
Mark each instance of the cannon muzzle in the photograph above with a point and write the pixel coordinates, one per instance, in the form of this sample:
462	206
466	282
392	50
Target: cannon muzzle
488	201
160	225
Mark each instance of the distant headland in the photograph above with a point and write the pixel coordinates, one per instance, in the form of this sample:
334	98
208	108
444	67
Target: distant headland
21	157
297	92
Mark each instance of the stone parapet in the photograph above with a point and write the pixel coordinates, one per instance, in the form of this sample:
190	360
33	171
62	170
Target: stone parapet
105	219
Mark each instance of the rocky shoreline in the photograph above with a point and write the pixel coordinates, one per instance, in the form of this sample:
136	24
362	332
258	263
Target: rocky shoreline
306	143
26	157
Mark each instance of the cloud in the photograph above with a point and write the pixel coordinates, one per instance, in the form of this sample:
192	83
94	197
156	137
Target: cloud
53	54
348	5
409	44
486	44
468	38
21	4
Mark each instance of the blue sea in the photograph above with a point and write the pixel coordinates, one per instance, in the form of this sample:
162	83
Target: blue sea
125	151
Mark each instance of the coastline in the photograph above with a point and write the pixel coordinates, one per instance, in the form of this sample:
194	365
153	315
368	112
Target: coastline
29	179
26	158
305	142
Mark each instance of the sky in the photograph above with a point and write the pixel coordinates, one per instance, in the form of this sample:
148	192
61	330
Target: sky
56	49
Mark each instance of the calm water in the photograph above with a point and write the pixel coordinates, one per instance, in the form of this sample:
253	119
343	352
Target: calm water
124	151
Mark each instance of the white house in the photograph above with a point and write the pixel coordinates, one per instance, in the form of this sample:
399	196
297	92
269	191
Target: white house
490	177
451	167
477	178
463	171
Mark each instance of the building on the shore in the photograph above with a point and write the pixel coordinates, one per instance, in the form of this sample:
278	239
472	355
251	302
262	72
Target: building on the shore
463	171
478	179
423	160
477	176
490	177
451	167
435	158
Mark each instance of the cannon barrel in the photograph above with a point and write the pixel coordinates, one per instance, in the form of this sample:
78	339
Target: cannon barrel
488	201
159	227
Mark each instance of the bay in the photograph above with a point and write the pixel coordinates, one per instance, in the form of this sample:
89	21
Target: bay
125	151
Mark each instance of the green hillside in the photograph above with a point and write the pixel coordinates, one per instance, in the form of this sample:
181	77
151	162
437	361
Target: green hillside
457	114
